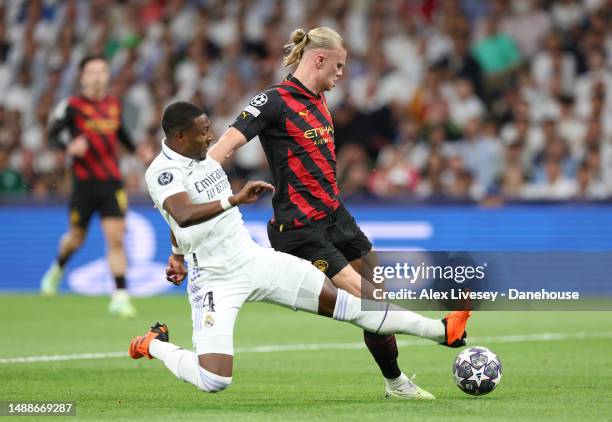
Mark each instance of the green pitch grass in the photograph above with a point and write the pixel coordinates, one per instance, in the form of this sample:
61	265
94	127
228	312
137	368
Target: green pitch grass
559	379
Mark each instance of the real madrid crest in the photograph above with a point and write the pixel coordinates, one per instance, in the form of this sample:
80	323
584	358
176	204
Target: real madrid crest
209	321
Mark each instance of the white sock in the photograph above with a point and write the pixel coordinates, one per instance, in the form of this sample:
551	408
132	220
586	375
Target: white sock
393	383
185	365
55	269
387	319
121	294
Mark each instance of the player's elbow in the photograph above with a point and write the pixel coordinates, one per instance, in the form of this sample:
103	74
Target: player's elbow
182	221
185	222
227	144
182	216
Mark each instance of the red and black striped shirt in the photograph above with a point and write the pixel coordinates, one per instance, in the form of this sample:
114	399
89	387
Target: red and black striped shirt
99	121
297	134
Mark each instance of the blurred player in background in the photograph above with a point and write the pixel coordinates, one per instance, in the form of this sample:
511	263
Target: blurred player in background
227	268
297	134
93	120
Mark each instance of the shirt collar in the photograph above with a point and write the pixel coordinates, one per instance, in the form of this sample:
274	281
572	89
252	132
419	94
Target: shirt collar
173	155
296	81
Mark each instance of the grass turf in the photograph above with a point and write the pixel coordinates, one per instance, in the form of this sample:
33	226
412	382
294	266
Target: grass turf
559	379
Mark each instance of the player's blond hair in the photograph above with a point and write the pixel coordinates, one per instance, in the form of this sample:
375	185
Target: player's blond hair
300	41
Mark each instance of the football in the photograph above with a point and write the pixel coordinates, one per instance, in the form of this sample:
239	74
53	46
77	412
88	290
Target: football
477	371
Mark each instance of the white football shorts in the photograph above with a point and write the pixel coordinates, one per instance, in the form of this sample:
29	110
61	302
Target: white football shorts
270	276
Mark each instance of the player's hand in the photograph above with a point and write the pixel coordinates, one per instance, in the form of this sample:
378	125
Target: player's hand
175	270
78	146
250	192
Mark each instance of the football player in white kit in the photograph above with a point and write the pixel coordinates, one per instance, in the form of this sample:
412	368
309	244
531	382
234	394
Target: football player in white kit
227	268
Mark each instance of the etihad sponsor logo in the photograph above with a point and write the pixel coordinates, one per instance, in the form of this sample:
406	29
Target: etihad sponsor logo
319	132
104	126
320	135
88	110
322	141
113	110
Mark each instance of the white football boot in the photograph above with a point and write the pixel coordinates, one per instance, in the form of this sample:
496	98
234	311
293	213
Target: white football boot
51	280
121	305
406	390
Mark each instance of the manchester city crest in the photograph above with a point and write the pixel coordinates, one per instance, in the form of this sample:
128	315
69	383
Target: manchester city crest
321	265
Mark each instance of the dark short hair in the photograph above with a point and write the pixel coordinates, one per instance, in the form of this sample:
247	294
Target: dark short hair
89	58
179	116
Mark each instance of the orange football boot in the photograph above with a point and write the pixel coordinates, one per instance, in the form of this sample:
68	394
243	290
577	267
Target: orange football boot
454	324
139	346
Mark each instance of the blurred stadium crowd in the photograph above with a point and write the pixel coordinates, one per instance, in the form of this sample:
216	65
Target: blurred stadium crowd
465	100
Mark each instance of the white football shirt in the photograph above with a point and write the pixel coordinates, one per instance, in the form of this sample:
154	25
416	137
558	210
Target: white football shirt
219	244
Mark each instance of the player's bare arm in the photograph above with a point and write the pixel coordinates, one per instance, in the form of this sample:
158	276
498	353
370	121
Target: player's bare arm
186	213
229	142
175	270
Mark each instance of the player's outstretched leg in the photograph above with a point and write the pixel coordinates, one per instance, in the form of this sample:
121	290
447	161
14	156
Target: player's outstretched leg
382	318
382	347
385	318
348	308
182	363
114	231
71	241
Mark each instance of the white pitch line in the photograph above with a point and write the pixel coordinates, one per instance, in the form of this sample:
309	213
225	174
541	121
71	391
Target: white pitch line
520	338
57	358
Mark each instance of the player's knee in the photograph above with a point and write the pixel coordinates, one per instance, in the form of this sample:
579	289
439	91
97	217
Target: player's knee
115	241
213	383
217	388
115	246
348	306
349	281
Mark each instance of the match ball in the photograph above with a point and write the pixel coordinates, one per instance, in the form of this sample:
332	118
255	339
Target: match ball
477	371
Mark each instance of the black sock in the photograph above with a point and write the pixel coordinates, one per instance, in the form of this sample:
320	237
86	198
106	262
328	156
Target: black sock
383	348
120	281
61	260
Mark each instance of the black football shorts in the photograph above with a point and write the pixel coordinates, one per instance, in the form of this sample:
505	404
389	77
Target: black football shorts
106	197
330	244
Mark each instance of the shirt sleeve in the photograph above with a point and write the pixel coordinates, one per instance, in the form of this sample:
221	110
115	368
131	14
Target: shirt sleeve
126	139
124	135
164	182
263	111
61	119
